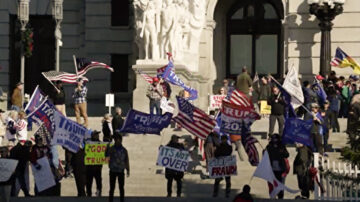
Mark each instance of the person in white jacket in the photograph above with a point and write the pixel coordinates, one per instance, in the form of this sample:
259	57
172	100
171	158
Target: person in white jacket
10	133
21	127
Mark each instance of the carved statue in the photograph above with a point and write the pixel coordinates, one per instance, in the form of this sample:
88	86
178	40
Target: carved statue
168	24
149	31
197	22
139	7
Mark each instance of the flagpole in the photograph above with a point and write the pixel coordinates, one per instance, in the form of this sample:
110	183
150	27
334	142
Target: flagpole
76	68
50	82
272	78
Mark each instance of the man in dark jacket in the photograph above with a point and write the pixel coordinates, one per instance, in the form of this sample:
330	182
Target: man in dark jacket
118	159
171	174
244	82
353	123
117	121
58	97
224	149
317	129
277	111
302	164
79	169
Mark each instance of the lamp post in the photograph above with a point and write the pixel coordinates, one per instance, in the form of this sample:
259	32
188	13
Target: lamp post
23	16
325	11
57	11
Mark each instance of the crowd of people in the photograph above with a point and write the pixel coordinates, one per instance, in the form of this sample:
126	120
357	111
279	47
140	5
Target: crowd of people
324	112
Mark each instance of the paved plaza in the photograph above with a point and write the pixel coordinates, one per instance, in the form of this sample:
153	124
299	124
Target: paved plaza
148	180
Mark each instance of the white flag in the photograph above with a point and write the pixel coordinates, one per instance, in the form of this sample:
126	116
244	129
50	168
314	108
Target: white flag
293	86
264	171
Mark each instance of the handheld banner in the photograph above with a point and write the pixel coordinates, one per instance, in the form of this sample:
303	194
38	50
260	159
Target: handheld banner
167	105
264	107
44	115
143	123
95	153
43	177
7	168
216	101
222	166
173	158
68	133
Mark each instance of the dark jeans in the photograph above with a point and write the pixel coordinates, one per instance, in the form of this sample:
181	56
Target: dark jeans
52	191
304	184
91	173
78	165
169	185
68	156
228	186
318	144
279	177
21	177
121	180
155	104
280	119
334	121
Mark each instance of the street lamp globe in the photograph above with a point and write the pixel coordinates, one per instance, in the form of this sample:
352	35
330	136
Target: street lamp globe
57	11
23	13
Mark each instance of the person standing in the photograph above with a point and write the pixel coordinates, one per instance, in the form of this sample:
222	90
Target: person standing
277	104
80	94
245	195
118	120
353	123
224	149
5	186
278	155
317	130
79	169
211	142
58	97
244	82
302	164
118	159
10	133
171	174
154	93
16	97
21	127
94	171
107	128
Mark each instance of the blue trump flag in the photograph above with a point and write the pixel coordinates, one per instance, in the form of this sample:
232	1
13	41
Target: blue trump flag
320	92
36	99
297	130
143	123
170	76
44	114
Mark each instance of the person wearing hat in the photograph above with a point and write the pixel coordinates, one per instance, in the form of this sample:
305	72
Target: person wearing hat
317	129
58	97
155	93
16	97
277	104
118	159
171	174
80	94
244	82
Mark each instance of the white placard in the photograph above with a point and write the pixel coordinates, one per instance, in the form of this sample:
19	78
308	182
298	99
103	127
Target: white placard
167	105
173	158
109	100
222	166
44	178
7	168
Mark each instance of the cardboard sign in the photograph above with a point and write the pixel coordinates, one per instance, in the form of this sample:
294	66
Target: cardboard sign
167	105
95	153
222	166
173	158
216	101
44	178
7	168
264	107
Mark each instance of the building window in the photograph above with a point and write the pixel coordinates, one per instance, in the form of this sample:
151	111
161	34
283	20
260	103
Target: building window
254	37
120	78
120	12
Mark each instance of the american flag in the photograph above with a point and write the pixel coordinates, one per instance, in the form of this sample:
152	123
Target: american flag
84	65
250	148
342	60
161	70
147	78
193	119
238	98
62	76
44	133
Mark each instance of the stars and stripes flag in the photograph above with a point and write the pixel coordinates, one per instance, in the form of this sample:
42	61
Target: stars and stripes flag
238	98
147	78
84	65
44	133
193	119
250	148
62	76
342	60
161	70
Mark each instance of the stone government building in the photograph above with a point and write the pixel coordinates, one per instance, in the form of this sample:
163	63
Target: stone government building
212	40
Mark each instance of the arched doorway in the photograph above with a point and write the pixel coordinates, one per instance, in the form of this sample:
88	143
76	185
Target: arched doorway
254	37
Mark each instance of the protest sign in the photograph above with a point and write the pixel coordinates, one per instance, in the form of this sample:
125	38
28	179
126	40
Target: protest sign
68	133
44	115
173	158
43	177
7	168
95	153
143	123
216	101
222	166
167	105
264	107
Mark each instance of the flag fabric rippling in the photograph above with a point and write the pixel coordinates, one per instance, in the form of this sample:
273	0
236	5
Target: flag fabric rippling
250	148
342	60
62	76
84	65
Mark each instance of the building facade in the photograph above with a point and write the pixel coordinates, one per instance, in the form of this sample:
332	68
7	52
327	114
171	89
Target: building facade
265	35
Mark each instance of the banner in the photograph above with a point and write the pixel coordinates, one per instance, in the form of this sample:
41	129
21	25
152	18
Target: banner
167	105
7	168
44	114
222	166
170	76
36	99
68	133
216	101
43	177
173	158
297	130
236	120
143	123
95	153
293	86
264	107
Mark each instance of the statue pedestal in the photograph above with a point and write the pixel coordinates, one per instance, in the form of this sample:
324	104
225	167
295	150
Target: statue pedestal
195	80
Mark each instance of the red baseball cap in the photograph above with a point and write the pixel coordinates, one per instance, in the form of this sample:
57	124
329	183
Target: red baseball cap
319	77
155	79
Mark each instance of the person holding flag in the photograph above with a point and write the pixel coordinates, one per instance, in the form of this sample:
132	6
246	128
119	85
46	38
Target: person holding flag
301	167
317	130
277	104
155	93
58	97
